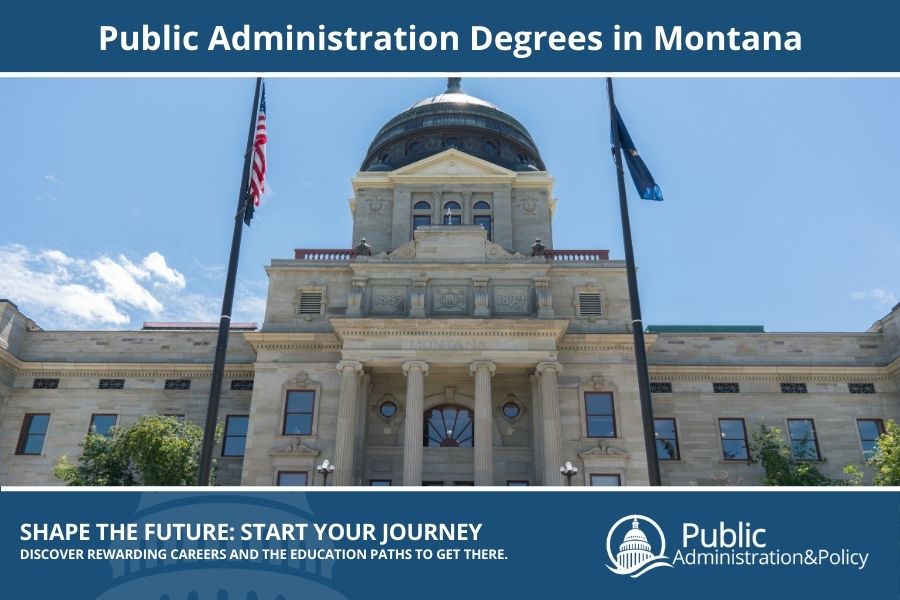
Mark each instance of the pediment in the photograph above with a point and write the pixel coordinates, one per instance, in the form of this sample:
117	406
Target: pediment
294	448
452	163
604	450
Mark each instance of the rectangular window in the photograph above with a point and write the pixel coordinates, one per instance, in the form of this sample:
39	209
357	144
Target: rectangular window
660	387
804	445
380	482
603	480
292	478
589	304
421	221
241	385
177	416
726	388
861	388
34	430
598	410
869	432
298	412
44	383
517	483
485	221
310	303
432	484
102	424
734	439
793	388
235	439
111	384
178	384
666	439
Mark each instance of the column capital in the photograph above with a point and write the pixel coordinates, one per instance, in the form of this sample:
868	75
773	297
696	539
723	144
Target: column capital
350	364
482	364
418	365
542	367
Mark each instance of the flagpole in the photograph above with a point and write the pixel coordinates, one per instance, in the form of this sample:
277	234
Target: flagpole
637	324
218	372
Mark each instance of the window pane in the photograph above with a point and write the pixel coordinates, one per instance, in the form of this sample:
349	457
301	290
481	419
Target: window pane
33	444
298	424
291	478
666	450
453	220
234	446
801	429
421	220
38	424
605	480
869	429
665	428
600	427
868	447
486	223
481	205
380	483
598	404
452	205
422	205
103	423
734	449
301	401
804	449
731	429
236	425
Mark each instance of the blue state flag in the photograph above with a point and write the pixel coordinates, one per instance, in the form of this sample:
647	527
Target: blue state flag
643	180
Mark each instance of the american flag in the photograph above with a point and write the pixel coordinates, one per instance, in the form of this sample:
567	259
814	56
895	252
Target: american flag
258	166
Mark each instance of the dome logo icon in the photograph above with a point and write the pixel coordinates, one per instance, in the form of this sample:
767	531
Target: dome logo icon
635	555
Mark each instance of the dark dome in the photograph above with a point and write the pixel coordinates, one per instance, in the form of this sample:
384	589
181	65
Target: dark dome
453	119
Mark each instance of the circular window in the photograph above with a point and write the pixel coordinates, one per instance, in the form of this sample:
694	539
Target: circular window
388	409
511	410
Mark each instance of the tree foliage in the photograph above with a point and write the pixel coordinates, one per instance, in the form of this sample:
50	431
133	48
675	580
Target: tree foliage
885	461
781	468
155	450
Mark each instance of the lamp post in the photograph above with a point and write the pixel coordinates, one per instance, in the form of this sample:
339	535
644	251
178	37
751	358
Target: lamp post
325	469
569	471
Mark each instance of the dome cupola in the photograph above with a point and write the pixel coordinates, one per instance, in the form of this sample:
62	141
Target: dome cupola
453	119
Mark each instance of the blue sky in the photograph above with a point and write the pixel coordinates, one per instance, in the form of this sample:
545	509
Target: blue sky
781	204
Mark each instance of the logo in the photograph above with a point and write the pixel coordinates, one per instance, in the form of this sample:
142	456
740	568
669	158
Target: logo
635	556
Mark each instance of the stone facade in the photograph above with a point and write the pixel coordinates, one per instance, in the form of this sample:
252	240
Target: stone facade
364	355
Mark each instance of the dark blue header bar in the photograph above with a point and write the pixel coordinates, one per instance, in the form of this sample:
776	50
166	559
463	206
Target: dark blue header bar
462	36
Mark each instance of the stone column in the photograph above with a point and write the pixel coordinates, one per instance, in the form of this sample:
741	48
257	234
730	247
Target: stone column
484	431
346	422
548	371
415	371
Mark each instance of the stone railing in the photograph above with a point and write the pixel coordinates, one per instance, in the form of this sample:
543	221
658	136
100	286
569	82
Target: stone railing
324	254
576	255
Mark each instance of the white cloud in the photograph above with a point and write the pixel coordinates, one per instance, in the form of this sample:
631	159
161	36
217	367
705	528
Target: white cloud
55	181
123	287
28	280
63	292
156	264
882	298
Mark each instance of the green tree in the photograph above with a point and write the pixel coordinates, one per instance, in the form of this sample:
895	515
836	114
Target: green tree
155	450
885	461
781	468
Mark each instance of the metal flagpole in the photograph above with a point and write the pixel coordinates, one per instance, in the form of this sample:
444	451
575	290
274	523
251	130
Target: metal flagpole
637	324
218	372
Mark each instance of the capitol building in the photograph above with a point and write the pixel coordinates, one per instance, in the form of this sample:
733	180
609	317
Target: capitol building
455	340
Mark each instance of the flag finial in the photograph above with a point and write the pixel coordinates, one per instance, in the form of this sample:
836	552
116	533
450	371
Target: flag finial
453	85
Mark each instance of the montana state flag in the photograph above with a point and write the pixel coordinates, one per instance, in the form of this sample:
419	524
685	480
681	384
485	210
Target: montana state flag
643	180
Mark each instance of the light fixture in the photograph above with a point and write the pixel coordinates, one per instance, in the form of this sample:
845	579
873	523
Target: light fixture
325	469
569	471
